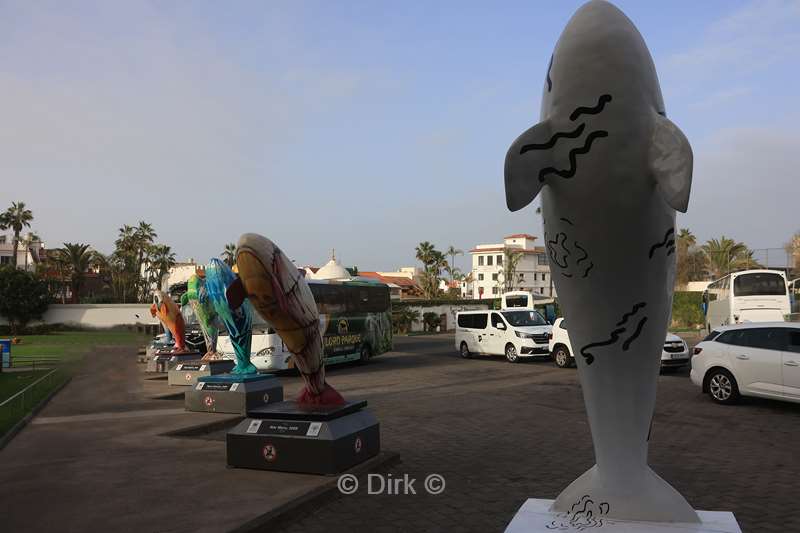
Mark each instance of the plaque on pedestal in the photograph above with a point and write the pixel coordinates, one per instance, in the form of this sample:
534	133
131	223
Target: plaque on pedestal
186	374
231	393
535	516
322	439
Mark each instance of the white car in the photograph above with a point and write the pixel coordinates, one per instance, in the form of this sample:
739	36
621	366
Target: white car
674	355
516	333
751	359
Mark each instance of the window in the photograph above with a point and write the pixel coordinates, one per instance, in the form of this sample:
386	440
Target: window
517	301
541	259
5	260
480	277
499	260
764	338
544	276
794	341
541	290
535	276
480	260
496	320
522	277
761	283
332	298
489	259
494	290
524	318
472	320
494	277
711	336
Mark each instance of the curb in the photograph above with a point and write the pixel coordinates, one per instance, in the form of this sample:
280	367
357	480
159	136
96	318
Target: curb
16	428
310	500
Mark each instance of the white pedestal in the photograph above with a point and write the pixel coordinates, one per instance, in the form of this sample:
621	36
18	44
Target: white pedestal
535	517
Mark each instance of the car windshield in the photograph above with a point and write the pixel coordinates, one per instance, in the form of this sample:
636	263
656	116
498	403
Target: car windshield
524	318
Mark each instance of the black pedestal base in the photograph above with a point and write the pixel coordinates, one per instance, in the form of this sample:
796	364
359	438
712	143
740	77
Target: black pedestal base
313	440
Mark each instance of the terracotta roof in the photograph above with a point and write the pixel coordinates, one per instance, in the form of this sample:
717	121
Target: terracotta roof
534	250
402	282
520	236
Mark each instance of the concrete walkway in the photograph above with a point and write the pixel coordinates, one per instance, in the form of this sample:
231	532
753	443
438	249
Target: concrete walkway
96	459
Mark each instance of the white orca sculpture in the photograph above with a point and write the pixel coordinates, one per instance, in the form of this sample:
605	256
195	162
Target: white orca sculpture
611	170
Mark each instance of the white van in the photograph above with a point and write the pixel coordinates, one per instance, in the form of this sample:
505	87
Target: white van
515	333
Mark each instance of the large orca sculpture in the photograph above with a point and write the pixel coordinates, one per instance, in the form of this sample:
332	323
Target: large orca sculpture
611	170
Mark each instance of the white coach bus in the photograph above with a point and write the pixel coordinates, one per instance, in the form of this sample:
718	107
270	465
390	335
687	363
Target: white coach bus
747	296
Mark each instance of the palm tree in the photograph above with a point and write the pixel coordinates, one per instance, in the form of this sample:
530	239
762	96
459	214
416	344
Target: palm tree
452	252
78	258
229	254
16	217
162	258
722	254
425	252
143	236
29	239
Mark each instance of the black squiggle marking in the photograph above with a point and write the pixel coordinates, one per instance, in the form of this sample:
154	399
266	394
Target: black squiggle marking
570	172
633	311
614	338
549	81
566	275
663	243
585	253
568	221
670	251
554	253
574	134
627	343
586	272
601	103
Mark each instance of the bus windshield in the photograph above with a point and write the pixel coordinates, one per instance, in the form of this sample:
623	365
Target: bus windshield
759	284
524	318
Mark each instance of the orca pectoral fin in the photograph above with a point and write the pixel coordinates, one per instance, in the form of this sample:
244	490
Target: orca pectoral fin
528	155
670	160
235	293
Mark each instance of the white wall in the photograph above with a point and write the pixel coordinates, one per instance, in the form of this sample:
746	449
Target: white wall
449	309
96	315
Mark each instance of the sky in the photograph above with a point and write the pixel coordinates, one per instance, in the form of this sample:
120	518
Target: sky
364	126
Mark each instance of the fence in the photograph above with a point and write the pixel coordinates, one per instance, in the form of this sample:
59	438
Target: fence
18	405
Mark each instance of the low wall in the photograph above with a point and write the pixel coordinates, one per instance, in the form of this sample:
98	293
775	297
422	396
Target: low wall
96	315
448	310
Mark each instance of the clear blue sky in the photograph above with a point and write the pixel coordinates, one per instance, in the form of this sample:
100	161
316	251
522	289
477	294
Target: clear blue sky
365	126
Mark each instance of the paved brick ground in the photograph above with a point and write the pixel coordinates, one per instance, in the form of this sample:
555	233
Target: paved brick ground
500	433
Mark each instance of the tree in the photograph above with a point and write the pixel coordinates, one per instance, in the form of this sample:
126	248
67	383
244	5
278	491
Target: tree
431	321
723	254
162	258
404	318
452	252
229	254
23	297
16	217
433	262
687	258
78	258
511	259
353	270
793	253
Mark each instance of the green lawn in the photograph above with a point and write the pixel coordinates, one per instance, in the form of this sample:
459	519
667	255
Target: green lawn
65	347
71	345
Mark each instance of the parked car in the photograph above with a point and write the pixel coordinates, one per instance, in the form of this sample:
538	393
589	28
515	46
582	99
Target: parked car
515	333
750	359
674	355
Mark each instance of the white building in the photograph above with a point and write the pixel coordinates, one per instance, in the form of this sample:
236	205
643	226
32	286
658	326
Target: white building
532	272
29	251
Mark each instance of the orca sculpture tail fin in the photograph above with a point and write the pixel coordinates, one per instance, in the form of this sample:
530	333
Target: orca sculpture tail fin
641	496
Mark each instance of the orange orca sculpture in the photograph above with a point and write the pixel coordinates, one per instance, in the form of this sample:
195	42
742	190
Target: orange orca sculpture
169	314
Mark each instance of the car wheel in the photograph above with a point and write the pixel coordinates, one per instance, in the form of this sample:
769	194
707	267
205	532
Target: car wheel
722	387
511	353
365	353
464	350
562	357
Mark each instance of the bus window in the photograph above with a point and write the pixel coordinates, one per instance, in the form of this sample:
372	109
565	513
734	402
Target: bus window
759	284
517	301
